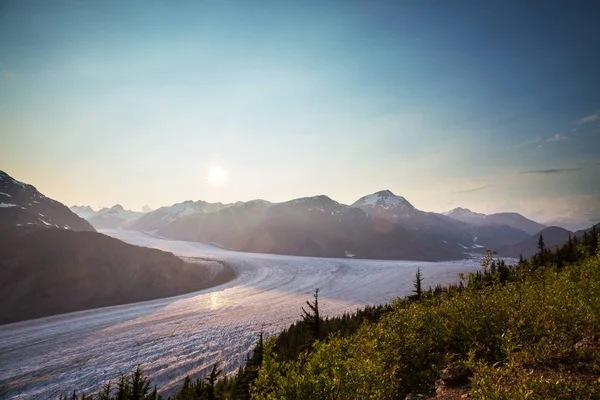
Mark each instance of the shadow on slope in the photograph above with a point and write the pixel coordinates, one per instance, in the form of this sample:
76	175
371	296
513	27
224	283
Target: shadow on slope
52	271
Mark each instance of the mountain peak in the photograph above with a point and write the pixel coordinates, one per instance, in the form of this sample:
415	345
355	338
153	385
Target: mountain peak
460	211
383	199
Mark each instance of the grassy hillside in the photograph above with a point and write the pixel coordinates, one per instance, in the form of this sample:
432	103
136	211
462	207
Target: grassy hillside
533	334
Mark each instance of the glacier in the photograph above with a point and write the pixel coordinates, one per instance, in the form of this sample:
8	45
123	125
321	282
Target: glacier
185	335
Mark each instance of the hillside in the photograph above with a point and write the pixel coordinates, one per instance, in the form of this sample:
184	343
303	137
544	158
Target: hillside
52	271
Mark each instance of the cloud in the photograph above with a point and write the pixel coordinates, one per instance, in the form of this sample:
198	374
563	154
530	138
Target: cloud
533	142
7	74
556	138
471	190
548	171
590	118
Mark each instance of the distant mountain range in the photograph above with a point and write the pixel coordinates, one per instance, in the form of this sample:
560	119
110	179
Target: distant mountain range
107	218
379	225
514	220
388	227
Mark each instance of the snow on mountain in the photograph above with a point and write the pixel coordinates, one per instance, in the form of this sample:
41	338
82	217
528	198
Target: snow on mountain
162	216
84	212
385	204
22	204
466	215
114	217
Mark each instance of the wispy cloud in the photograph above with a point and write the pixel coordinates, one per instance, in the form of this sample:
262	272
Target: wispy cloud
538	142
590	118
549	171
7	74
471	190
556	138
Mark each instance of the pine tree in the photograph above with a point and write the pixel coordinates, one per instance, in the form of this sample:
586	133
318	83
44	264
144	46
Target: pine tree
139	385
541	244
418	284
211	380
312	317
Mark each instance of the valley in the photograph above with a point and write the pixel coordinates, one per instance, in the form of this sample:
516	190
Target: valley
186	334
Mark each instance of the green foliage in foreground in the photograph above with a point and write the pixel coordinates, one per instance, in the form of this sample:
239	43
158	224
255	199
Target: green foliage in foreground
534	334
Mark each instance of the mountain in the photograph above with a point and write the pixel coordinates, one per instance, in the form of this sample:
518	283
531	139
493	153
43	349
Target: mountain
572	224
161	217
23	205
84	212
52	271
514	220
495	236
312	226
432	229
114	217
467	216
553	236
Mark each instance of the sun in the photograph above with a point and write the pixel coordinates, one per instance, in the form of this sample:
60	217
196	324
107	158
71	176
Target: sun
217	175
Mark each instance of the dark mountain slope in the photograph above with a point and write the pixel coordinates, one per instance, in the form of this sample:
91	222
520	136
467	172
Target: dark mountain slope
52	271
553	236
22	205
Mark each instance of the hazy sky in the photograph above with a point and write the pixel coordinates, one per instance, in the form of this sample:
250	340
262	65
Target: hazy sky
448	103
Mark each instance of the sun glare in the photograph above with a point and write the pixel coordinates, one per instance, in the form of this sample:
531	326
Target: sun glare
217	175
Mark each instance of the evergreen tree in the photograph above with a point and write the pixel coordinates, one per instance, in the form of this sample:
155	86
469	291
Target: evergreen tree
139	385
541	244
312	317
418	284
211	379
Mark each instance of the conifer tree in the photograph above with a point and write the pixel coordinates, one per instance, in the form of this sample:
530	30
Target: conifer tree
211	379
418	284
312	317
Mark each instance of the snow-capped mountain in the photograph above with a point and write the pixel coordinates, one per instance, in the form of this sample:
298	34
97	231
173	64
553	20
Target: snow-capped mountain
310	226
23	205
162	216
431	228
466	215
114	217
512	219
385	204
84	212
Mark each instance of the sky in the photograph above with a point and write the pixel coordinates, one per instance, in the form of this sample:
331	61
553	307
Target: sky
494	106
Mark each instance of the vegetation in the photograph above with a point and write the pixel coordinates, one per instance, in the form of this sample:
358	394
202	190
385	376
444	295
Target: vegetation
526	331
